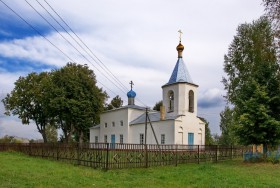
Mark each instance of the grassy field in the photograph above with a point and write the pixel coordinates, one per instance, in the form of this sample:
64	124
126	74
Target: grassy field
18	170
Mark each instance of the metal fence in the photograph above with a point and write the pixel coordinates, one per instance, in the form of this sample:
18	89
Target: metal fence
112	156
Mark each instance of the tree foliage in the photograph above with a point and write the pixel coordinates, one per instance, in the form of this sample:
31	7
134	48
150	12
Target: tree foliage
76	101
116	102
29	100
51	133
67	98
157	105
272	8
9	139
208	137
253	83
273	13
228	136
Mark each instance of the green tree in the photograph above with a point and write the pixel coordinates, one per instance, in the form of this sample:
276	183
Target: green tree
76	101
9	139
116	102
29	100
51	133
253	83
272	8
216	139
208	137
227	127
157	105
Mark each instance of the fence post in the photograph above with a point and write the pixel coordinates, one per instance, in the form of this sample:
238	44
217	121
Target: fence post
198	155
107	157
217	148
30	149
57	152
176	155
231	151
146	155
43	145
78	154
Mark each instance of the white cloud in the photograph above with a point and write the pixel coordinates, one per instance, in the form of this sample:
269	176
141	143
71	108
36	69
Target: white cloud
35	49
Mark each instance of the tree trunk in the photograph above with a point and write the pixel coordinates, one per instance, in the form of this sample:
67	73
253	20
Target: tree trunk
44	137
81	137
265	151
41	130
64	136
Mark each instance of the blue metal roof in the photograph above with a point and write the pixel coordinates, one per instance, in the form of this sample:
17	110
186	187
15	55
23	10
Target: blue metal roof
180	73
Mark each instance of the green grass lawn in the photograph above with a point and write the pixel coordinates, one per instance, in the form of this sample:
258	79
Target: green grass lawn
19	170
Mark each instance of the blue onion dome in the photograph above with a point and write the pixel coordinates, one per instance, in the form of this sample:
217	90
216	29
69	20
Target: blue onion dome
131	94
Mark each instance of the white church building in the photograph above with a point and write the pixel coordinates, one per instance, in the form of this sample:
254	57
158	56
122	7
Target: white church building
176	123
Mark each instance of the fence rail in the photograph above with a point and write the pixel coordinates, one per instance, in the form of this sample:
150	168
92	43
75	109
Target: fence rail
112	156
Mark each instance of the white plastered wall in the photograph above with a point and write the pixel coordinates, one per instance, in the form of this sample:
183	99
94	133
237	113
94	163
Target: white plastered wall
189	124
92	133
161	127
124	114
181	98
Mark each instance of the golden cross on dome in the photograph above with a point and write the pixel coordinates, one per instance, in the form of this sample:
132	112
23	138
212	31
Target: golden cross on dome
180	34
131	84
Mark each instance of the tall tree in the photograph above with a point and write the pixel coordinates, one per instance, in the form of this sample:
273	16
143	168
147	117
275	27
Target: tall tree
76	101
273	13
272	8
116	102
29	100
227	127
253	83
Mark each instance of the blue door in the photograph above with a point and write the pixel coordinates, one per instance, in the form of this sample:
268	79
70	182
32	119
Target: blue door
113	141
190	138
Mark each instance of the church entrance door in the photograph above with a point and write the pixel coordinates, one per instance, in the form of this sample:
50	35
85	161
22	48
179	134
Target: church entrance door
190	138
113	141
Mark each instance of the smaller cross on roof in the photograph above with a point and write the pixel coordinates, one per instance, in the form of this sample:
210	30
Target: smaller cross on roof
131	84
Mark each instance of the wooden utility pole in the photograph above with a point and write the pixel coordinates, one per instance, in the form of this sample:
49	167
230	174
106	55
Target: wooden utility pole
146	123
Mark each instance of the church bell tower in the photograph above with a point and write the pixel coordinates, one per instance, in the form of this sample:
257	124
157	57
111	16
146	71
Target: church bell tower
180	93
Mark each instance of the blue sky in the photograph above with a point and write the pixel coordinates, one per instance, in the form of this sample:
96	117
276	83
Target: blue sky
135	39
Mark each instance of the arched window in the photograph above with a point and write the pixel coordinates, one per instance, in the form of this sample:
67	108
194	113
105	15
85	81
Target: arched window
191	101
171	101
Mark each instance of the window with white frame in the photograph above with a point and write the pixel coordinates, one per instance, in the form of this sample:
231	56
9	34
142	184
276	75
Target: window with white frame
113	124
105	138
121	138
141	138
121	122
105	125
162	138
96	139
